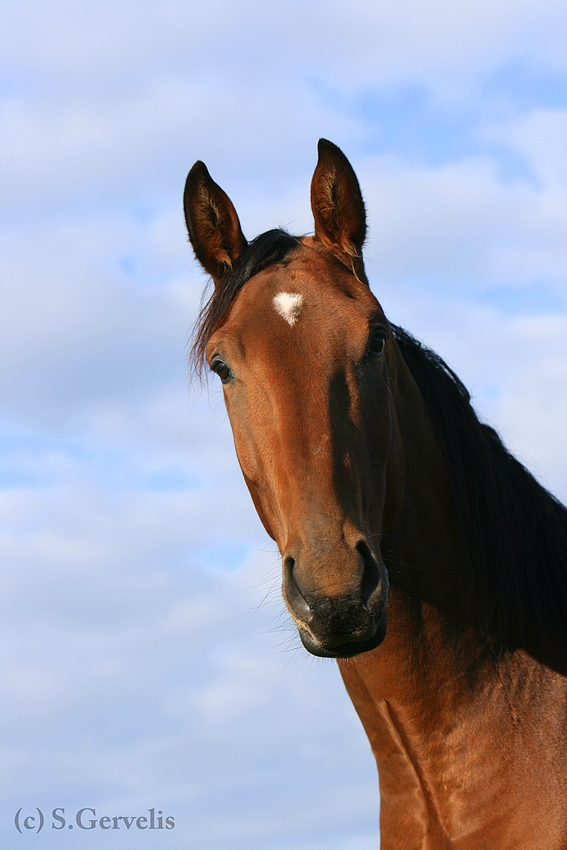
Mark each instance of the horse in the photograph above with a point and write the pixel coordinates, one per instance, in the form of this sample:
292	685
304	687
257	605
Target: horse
416	550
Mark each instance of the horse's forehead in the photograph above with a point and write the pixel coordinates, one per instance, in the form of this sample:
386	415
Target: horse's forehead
304	288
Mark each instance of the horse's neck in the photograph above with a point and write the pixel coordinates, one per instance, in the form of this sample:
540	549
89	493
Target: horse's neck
457	736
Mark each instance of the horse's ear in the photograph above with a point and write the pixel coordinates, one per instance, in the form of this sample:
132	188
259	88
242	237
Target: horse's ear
212	222
336	201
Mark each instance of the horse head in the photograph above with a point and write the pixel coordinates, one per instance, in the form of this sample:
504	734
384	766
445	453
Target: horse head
307	363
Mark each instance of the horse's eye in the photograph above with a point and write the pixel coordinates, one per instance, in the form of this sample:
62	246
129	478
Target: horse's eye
377	343
221	369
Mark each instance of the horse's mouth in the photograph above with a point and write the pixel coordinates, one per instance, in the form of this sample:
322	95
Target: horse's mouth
344	648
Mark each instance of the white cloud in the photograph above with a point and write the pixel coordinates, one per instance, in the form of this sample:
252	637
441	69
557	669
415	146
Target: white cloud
361	40
541	137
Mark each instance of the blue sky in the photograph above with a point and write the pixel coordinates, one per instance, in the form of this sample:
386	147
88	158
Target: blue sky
147	657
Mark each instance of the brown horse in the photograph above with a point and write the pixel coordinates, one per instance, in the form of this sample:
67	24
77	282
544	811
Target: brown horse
391	503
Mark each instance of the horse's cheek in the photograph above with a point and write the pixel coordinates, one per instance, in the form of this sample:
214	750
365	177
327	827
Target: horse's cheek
385	448
395	478
267	516
255	479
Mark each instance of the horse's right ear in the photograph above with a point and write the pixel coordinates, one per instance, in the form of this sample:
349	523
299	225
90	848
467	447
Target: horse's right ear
212	222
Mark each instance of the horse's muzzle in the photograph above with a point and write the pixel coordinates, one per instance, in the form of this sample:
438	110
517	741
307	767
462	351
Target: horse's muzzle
340	626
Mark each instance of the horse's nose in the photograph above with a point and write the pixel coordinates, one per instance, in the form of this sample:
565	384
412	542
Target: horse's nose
336	573
337	602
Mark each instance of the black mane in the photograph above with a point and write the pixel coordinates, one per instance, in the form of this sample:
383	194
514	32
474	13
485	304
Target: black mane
514	531
265	250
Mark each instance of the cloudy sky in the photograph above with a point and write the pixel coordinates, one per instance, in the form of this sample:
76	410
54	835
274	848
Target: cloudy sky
146	657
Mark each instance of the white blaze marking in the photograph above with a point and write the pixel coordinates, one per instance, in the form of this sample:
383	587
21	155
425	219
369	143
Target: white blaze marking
289	306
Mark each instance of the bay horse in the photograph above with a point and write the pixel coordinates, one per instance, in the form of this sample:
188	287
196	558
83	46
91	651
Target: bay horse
415	549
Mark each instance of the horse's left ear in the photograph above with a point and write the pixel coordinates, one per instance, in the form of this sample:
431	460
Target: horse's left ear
212	222
336	201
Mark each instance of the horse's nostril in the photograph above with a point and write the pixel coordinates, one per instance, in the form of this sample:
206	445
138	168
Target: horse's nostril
370	573
288	577
292	593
